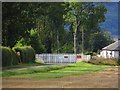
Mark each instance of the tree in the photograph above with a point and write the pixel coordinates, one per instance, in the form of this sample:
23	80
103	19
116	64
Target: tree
41	25
19	18
99	40
16	20
45	18
84	15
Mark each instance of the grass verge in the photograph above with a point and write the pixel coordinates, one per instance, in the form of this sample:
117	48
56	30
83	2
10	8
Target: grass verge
104	61
55	71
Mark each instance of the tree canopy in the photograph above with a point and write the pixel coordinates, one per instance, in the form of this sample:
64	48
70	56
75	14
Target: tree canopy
41	25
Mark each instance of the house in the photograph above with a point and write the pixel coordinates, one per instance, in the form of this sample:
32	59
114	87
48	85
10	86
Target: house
111	51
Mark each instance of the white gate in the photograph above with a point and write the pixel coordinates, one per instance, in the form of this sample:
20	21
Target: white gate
62	58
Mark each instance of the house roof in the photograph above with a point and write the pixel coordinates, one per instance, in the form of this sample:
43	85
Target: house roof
114	46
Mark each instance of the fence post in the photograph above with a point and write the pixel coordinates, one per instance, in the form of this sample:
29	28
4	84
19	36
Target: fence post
49	58
61	60
55	58
43	57
70	58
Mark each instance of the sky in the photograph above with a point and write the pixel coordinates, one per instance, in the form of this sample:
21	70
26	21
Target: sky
115	0
111	23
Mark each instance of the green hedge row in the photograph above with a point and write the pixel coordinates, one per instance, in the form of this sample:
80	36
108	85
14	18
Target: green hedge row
9	57
27	54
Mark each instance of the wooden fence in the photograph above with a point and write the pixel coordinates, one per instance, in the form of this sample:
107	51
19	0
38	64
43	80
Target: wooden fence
62	58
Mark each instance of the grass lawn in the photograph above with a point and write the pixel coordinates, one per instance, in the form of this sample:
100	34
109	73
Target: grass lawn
55	71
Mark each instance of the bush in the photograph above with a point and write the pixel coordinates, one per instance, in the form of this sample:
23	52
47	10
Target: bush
118	61
39	60
15	58
90	53
9	57
103	61
27	54
6	56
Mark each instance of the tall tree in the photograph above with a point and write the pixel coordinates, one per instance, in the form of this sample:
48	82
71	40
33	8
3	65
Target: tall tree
84	15
47	21
16	19
98	40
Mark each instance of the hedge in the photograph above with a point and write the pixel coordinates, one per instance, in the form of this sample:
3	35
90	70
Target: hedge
15	59
118	61
27	54
9	57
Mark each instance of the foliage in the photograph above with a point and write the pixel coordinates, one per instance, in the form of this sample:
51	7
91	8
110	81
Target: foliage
118	61
15	58
89	53
16	19
32	40
97	38
6	56
46	17
84	17
35	42
22	42
41	25
66	48
9	57
27	54
103	61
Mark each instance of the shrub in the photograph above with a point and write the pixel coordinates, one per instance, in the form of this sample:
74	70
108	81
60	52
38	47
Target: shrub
118	61
27	54
103	61
39	60
6	56
90	53
15	58
9	57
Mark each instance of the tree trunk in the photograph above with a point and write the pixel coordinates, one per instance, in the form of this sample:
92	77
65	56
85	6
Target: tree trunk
38	30
82	40
58	46
75	37
75	40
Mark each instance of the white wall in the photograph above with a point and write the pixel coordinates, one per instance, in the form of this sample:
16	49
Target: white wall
109	54
116	54
103	54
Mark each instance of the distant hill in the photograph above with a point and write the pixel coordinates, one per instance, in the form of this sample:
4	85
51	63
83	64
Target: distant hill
111	23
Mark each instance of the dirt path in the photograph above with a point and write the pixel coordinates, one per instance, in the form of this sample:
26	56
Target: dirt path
105	79
28	67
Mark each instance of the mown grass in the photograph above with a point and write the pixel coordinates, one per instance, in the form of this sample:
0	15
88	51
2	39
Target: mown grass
55	71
